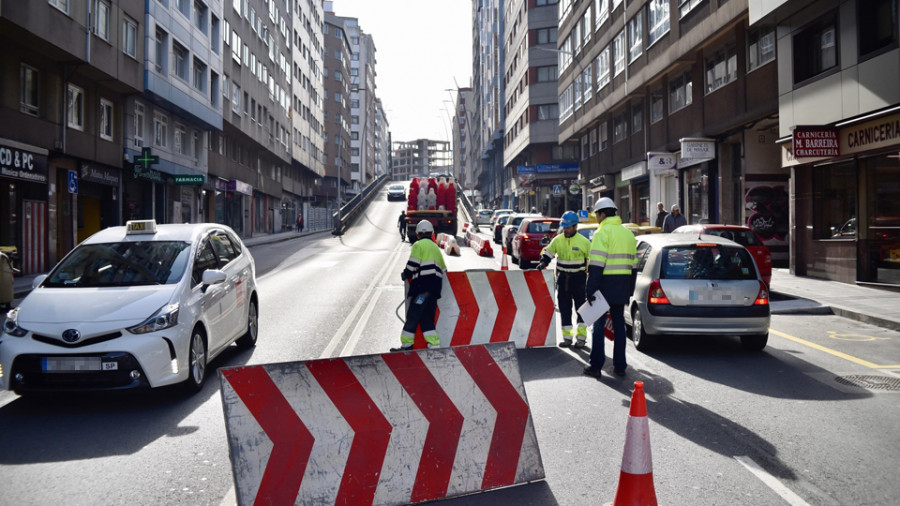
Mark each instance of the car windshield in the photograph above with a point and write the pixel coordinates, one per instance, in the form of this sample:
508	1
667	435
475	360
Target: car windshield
122	264
742	237
588	232
706	262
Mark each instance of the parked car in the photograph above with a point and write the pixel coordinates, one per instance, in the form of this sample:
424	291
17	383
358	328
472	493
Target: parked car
483	216
509	230
744	236
526	243
497	227
396	192
135	306
697	285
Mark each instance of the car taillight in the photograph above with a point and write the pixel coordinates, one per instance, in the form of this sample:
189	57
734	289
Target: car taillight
762	298
767	259
525	237
657	295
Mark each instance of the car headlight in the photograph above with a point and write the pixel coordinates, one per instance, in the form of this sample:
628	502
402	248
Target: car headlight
166	317
11	325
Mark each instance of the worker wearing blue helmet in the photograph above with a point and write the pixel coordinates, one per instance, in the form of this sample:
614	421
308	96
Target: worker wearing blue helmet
572	252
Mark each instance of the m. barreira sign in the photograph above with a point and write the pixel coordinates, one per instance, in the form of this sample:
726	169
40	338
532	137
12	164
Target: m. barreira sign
815	142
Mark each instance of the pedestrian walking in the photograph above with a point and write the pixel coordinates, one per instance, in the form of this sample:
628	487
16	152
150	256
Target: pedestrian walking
661	214
610	270
572	252
425	272
401	224
299	223
674	220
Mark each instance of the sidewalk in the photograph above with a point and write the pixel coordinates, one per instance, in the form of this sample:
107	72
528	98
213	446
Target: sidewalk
791	294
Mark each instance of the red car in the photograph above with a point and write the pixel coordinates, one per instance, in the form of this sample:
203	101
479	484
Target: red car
526	244
741	235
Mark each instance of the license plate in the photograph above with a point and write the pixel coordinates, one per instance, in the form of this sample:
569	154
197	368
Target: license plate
76	364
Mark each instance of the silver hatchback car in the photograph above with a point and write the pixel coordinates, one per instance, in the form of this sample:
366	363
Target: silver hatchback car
697	285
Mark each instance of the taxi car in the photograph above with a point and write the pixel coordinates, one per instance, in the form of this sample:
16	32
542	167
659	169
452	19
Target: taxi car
745	236
135	306
697	285
528	243
396	192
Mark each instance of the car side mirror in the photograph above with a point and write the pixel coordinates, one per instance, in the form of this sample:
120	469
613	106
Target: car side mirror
545	240
213	277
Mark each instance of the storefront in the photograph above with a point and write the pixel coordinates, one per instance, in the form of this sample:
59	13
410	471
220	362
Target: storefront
98	198
24	176
237	207
638	194
846	201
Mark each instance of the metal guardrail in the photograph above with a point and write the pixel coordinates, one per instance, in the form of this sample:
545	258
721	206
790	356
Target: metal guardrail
356	205
466	204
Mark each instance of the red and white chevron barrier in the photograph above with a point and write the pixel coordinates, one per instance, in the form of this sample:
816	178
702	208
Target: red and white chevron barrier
480	306
447	243
480	243
395	428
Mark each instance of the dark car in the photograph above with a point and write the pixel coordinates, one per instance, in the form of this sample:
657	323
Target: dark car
526	244
396	192
498	227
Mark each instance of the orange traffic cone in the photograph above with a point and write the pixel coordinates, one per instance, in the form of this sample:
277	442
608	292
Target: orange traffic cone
636	478
503	265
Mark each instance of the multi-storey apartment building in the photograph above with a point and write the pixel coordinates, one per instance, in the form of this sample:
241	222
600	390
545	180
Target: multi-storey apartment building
336	71
420	158
672	103
464	156
489	87
68	70
839	129
541	173
382	140
308	110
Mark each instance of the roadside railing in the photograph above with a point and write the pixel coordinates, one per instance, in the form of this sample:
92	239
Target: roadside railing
347	214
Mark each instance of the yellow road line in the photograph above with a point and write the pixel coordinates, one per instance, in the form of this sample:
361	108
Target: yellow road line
864	363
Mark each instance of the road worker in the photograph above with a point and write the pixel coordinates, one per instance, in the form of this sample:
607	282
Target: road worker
425	272
572	252
610	270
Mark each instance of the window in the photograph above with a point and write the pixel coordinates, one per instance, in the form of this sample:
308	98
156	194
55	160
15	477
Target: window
184	7
106	119
815	49
226	32
635	38
160	129
603	133
181	61
593	139
760	47
618	53
214	34
102	26
546	35
75	107
199	75
162	51
877	25
584	147
637	118
236	46
721	69
236	98
179	139
547	74
686	6
601	12
834	202
681	91
547	112
656	106
586	80
603	68
620	128
129	37
657	20
62	5
200	12
138	124
29	90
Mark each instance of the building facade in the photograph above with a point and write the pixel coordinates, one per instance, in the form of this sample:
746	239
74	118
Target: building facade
464	159
337	110
839	135
488	65
420	158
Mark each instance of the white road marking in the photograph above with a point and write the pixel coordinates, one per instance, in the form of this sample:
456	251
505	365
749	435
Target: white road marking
770	481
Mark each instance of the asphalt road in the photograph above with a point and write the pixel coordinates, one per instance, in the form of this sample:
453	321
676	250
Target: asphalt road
726	426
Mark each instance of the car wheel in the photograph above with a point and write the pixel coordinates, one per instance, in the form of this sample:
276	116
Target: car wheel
755	343
196	362
642	340
248	340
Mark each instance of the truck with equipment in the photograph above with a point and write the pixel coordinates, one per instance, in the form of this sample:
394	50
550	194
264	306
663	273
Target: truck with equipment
432	199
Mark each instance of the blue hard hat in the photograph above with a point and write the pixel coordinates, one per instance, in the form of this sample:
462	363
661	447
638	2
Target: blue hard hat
569	219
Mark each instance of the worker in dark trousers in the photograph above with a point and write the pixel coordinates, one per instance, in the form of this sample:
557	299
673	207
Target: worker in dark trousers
572	252
425	272
401	223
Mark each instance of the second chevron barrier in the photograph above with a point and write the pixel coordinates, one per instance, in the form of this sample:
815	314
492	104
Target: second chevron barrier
394	428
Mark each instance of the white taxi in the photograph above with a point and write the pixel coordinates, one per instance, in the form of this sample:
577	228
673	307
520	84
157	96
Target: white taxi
135	306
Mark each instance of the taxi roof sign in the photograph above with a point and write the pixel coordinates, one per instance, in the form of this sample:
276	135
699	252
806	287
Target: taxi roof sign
140	227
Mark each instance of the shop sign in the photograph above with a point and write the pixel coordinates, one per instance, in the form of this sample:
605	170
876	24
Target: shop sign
152	174
221	184
636	170
99	174
194	179
526	169
599	181
815	142
660	161
239	186
875	134
574	189
696	148
19	162
557	167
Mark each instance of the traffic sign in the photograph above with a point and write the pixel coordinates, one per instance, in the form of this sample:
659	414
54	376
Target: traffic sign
557	190
73	182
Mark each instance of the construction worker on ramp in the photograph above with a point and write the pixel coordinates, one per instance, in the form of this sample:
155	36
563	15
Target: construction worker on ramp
572	252
425	272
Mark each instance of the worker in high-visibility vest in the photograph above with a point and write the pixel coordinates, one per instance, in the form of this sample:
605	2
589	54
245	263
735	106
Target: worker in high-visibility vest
610	270
425	272
572	251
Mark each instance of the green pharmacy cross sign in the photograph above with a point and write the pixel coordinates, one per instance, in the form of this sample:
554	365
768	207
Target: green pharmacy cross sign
147	159
142	167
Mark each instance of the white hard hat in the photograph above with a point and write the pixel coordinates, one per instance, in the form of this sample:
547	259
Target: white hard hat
604	203
424	227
